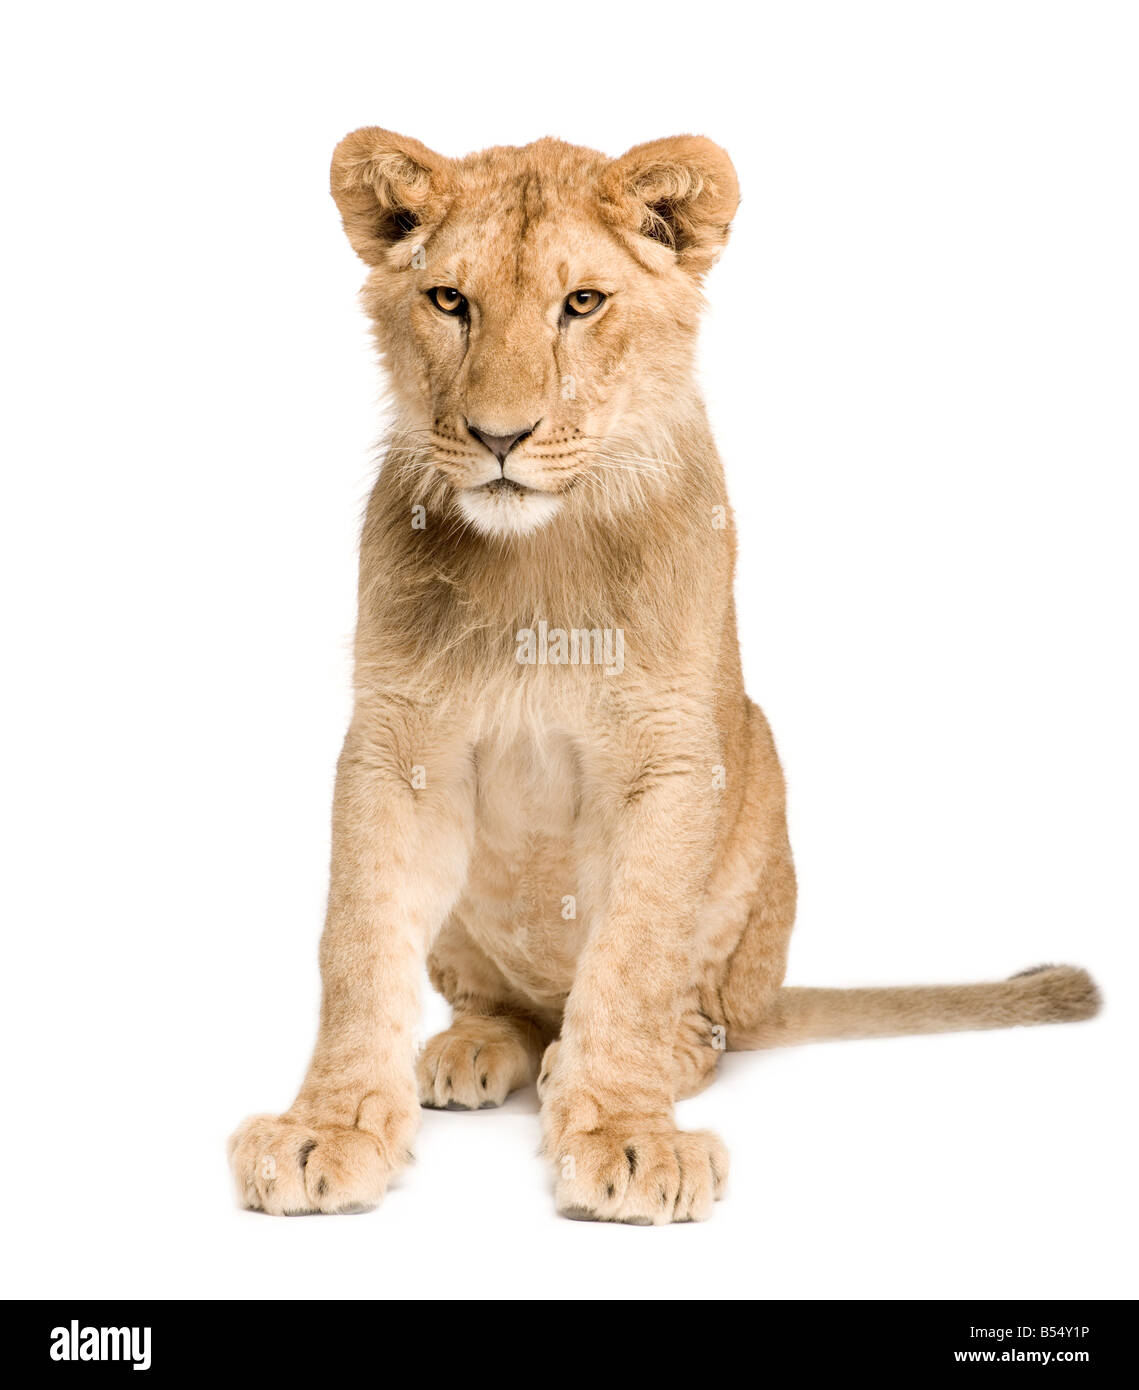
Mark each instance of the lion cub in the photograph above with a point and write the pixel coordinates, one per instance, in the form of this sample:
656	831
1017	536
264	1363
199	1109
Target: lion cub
554	790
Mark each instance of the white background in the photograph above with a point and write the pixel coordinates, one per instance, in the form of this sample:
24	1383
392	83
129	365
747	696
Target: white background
920	358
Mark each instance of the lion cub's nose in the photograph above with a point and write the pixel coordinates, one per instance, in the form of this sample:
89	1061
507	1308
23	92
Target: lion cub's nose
500	444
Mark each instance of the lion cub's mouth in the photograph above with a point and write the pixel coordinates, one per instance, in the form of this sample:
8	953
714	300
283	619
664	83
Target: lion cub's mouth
502	507
504	485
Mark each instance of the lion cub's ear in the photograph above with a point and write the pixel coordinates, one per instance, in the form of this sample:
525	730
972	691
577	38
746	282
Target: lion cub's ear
681	192
385	186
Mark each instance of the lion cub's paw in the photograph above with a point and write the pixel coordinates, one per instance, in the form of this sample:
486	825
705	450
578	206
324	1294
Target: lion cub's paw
642	1179
546	1070
288	1168
476	1063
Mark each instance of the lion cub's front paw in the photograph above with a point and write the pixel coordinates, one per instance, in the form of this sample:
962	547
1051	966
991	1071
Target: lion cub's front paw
647	1178
289	1168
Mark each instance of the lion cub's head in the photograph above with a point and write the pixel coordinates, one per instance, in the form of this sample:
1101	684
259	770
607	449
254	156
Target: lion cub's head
536	308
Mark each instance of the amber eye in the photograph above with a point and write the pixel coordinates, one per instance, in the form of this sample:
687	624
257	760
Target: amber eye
449	300
584	302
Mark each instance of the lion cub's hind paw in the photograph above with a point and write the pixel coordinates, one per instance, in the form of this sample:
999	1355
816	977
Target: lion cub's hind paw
474	1065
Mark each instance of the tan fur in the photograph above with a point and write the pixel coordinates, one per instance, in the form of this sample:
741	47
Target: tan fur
592	859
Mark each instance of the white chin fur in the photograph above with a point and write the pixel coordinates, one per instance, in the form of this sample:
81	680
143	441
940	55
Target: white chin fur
507	513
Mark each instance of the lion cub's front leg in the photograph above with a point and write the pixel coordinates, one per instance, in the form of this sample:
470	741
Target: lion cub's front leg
607	1088
402	829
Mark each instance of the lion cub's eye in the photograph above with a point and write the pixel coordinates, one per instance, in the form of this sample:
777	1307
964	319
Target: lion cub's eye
449	300
582	303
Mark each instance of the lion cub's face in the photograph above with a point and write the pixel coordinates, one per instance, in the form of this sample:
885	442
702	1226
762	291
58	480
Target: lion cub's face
537	310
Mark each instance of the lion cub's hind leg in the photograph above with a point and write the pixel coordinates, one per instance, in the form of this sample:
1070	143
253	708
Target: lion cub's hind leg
700	1043
492	1047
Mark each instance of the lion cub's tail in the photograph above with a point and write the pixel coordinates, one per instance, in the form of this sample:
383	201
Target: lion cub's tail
1044	994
